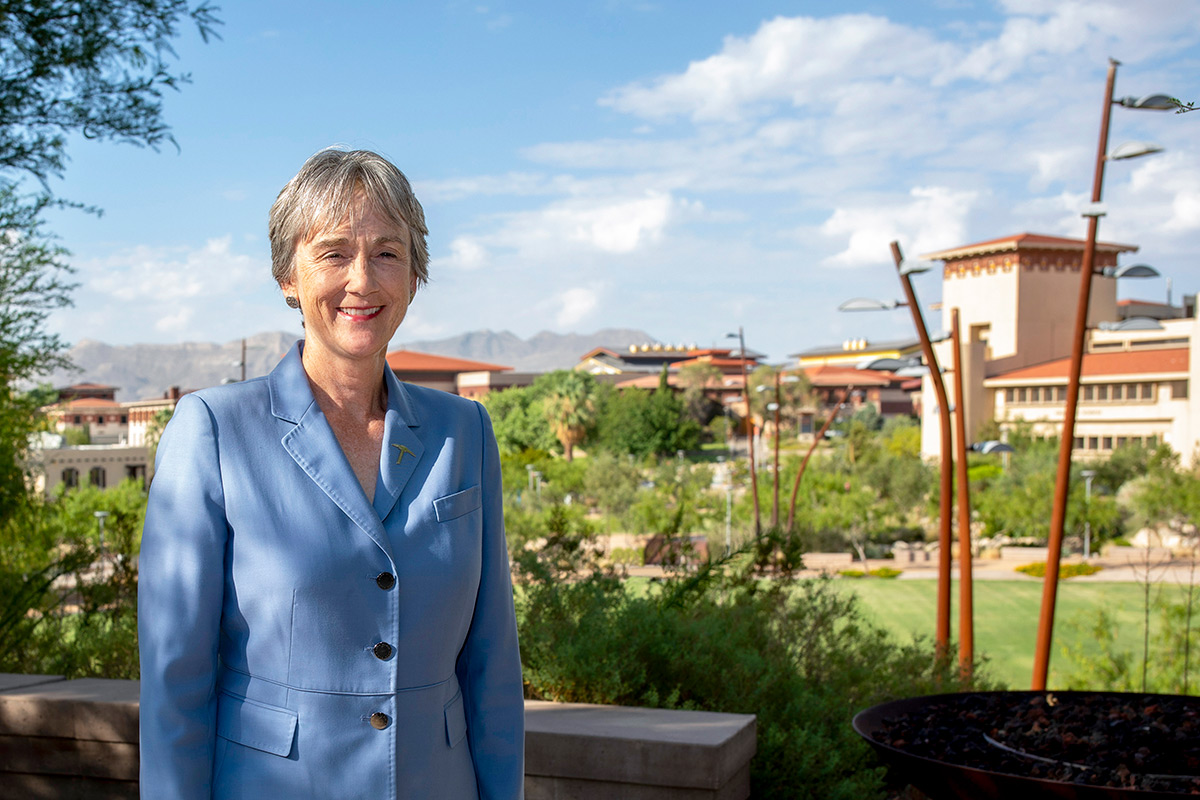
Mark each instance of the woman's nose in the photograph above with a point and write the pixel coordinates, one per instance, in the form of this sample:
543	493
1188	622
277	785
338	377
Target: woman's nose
361	277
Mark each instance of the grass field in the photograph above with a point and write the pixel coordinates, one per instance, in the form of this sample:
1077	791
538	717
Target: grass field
1006	618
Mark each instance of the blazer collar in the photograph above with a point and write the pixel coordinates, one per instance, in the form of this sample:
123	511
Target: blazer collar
314	447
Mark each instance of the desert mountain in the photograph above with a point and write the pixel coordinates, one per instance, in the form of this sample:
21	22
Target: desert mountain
142	371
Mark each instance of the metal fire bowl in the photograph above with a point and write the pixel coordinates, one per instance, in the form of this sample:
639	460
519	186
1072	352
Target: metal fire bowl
942	781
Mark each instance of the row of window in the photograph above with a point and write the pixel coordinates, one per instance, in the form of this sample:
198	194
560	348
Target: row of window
1113	442
100	419
96	477
1091	393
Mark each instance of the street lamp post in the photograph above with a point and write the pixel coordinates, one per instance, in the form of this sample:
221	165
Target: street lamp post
101	516
775	483
945	502
1087	474
966	597
749	430
942	637
1058	515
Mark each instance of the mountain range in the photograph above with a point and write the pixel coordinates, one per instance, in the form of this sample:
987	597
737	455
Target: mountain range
143	371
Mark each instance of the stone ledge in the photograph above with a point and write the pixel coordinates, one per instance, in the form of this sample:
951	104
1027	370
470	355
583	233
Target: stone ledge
77	740
645	747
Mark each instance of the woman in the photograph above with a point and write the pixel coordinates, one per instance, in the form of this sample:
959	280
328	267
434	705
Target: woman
325	608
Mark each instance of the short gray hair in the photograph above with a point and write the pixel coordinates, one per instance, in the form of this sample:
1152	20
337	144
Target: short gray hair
320	196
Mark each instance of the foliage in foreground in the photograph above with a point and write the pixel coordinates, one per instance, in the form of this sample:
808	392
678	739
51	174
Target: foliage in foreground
1167	663
67	606
796	653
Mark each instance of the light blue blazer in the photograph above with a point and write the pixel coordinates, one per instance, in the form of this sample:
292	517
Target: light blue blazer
298	641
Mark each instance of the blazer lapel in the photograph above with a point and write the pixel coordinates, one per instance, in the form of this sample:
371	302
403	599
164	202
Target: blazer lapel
402	450
315	449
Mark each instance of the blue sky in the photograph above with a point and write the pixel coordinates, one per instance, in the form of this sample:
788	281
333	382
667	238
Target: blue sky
680	167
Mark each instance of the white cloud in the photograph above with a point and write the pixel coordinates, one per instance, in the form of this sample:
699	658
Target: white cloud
608	225
575	306
935	217
141	293
158	275
466	253
800	61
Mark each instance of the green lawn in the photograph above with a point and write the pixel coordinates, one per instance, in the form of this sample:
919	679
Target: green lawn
1006	618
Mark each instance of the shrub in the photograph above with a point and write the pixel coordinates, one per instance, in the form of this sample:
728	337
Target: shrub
880	572
796	653
1038	569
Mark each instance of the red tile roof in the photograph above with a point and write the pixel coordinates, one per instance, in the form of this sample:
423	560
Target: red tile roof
833	375
1095	365
1024	241
412	361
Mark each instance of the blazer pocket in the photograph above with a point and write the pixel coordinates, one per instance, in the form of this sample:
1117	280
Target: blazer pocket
455	505
456	720
253	724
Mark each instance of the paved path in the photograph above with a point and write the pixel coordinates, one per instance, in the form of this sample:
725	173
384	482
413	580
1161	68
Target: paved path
1177	572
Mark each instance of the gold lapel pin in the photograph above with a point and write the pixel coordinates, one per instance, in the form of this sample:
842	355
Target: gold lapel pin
403	451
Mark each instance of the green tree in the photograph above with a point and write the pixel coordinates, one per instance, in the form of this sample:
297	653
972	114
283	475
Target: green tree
519	420
569	406
95	67
697	379
643	423
34	281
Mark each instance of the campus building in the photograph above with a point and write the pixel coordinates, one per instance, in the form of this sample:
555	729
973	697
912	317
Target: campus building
1016	298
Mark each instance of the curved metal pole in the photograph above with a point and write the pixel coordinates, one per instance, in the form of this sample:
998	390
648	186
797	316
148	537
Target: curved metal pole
750	435
1062	482
966	598
942	635
775	481
791	521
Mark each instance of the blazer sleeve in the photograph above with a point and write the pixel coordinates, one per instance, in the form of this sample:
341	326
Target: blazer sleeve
489	667
180	588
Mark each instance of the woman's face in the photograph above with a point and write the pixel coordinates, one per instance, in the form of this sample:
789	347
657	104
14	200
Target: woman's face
354	283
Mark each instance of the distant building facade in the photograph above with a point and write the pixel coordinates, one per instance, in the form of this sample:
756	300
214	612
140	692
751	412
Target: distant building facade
1017	301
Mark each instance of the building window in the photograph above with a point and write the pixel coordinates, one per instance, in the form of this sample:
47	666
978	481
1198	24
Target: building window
1179	390
1147	391
1106	443
1093	443
1060	394
1120	441
96	477
1102	393
1021	395
100	420
1009	394
1078	443
78	420
70	477
124	419
1089	393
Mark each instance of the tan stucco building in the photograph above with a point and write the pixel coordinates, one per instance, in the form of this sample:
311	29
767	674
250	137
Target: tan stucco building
1017	300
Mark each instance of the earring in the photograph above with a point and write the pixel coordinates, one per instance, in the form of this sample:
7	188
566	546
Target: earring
291	301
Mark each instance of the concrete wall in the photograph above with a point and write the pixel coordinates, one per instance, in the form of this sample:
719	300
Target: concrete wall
78	740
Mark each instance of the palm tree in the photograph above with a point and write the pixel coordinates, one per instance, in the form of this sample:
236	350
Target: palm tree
570	407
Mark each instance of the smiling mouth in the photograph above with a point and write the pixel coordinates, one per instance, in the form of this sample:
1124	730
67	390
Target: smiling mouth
359	313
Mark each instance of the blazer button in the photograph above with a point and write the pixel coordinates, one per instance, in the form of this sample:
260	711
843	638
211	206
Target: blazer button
379	720
385	580
383	651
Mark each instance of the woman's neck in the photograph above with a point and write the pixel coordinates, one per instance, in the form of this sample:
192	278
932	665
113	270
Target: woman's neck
348	389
